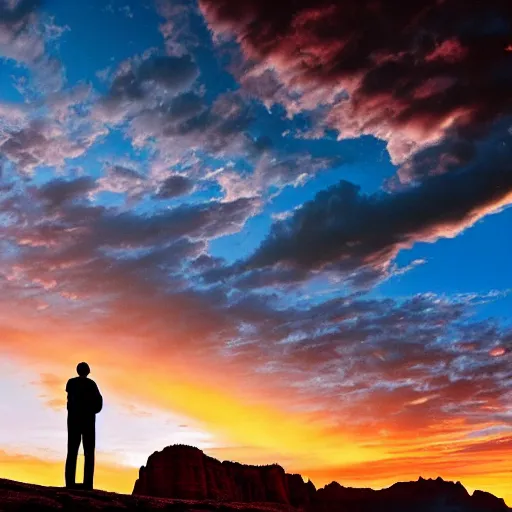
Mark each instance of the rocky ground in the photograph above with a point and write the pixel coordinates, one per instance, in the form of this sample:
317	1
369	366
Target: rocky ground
20	497
420	496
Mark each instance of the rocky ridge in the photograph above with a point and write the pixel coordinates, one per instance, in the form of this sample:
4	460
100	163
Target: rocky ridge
20	497
185	472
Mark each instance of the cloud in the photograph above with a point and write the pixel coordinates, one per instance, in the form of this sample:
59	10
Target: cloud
19	39
26	34
123	180
52	387
272	173
161	106
45	143
55	128
448	155
57	192
174	186
208	220
176	28
143	83
65	219
360	235
186	124
406	79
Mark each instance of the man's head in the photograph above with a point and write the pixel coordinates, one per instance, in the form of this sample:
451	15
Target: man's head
83	369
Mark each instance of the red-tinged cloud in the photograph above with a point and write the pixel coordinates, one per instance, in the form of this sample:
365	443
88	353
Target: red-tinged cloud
409	72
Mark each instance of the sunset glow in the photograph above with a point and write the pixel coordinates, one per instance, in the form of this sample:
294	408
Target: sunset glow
272	244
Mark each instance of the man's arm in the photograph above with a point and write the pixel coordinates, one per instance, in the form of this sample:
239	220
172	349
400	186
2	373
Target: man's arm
98	400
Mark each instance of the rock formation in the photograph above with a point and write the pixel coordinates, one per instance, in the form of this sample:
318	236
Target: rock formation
187	473
423	495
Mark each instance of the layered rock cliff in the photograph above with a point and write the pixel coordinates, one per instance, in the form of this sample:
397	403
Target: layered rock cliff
187	473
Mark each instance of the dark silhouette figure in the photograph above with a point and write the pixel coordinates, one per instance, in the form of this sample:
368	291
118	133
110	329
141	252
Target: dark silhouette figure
84	402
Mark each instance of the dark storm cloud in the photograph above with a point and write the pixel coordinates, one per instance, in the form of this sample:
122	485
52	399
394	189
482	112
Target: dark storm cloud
346	230
450	154
175	186
429	59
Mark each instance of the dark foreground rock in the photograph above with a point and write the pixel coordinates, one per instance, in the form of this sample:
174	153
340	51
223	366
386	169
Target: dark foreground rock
19	497
421	496
186	472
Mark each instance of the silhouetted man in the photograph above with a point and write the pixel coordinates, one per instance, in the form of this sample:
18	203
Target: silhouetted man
84	402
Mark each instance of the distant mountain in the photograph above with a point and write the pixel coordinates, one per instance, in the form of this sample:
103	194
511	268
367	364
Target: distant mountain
186	472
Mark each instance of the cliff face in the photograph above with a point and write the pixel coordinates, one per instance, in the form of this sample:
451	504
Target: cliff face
187	473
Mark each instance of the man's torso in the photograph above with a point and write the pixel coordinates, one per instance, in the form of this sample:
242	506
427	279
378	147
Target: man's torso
82	397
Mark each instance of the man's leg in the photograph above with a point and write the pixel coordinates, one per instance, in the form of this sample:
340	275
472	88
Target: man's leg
89	441
74	436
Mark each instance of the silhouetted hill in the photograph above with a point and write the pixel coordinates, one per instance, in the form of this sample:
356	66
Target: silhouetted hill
186	472
420	496
19	497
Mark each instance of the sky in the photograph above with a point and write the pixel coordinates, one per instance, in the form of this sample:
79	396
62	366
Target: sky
277	232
